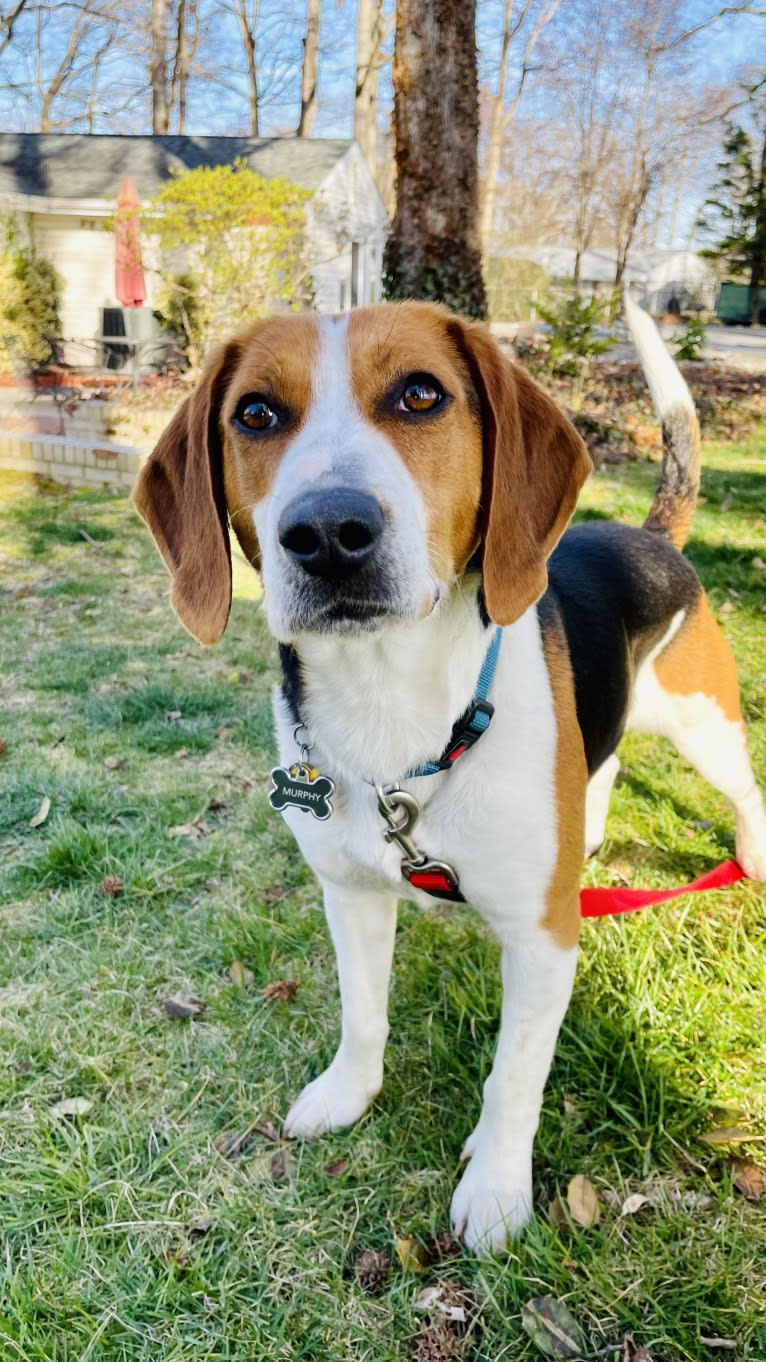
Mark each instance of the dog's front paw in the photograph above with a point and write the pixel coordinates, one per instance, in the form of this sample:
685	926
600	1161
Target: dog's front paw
752	858
489	1208
335	1099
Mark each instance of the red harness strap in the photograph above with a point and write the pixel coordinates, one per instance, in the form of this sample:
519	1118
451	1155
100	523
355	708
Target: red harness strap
608	902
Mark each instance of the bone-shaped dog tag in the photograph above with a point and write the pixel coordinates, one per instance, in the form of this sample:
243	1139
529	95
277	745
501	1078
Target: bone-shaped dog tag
301	787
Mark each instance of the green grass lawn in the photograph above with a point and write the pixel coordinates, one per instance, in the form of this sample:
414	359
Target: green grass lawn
130	1228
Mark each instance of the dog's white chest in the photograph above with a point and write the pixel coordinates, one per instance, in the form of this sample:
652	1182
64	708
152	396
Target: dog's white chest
492	816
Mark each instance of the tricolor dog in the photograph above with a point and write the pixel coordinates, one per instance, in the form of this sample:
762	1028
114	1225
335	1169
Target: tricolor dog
403	490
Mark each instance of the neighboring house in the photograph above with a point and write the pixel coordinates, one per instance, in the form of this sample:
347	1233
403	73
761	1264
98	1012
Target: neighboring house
63	188
662	280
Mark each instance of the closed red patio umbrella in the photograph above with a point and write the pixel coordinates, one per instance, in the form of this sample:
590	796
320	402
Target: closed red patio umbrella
129	282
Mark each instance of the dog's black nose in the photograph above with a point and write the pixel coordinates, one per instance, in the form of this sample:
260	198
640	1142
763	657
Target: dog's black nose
332	532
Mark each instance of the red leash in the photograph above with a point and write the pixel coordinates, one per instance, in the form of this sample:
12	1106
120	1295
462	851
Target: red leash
608	902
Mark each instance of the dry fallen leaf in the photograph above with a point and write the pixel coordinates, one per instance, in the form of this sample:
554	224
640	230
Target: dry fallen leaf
201	1227
337	1167
632	1352
445	1245
115	763
281	991
582	1200
557	1214
112	886
634	1203
445	1301
183	1006
72	1106
267	1130
726	1135
758	564
411	1255
3	746
243	782
232	1143
42	813
225	734
235	1142
240	975
195	829
281	1165
173	715
727	1344
749	1180
552	1327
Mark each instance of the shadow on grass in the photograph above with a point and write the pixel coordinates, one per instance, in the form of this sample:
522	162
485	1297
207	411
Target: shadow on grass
746	488
48	523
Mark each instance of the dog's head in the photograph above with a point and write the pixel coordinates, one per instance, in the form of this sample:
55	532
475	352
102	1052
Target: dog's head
364	462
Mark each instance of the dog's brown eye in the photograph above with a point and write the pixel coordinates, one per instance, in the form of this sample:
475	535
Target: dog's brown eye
255	414
420	393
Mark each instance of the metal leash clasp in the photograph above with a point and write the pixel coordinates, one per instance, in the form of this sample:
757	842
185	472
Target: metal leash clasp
435	877
390	801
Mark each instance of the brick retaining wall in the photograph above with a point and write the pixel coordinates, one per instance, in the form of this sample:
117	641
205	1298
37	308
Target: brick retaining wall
71	462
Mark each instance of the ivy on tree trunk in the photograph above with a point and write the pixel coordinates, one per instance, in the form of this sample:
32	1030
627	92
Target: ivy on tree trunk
434	250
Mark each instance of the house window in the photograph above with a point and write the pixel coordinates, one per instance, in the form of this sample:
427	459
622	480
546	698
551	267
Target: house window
357	288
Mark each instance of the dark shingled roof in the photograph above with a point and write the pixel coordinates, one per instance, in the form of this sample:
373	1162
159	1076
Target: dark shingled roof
89	166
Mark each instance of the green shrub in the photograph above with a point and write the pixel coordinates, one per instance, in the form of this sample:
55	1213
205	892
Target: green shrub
240	238
691	342
30	291
573	342
179	312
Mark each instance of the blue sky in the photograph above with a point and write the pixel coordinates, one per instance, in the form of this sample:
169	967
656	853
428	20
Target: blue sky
219	105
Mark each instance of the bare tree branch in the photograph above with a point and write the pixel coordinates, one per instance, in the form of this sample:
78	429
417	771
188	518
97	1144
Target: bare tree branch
500	117
7	22
310	69
722	13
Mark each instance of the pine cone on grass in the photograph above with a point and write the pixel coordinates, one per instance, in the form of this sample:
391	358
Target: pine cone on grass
372	1270
438	1344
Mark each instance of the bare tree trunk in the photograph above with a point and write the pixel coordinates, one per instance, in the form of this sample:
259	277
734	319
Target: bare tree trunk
310	69
434	251
247	24
370	31
495	141
632	208
188	34
500	118
758	263
158	67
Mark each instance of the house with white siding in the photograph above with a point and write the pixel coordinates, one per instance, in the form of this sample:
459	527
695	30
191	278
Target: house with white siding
62	189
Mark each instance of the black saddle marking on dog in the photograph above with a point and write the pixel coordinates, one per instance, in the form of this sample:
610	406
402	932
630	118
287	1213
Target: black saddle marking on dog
615	589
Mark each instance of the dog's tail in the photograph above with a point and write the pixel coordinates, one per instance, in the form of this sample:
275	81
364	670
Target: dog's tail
676	497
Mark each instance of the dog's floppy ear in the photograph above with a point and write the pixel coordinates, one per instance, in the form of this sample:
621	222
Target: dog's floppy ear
534	466
180	495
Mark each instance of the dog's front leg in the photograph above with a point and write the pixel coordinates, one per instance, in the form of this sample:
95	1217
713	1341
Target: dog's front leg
362	926
494	1197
